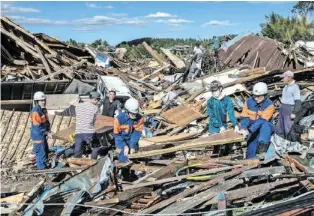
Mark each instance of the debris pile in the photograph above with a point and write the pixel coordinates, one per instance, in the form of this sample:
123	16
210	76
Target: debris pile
176	170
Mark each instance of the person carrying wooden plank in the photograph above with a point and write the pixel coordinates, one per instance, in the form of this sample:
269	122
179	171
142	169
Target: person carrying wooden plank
40	129
127	130
86	113
256	120
219	106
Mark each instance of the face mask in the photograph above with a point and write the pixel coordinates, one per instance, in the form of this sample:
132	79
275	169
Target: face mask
132	116
216	94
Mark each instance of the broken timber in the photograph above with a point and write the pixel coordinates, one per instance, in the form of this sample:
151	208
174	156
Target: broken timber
173	58
216	139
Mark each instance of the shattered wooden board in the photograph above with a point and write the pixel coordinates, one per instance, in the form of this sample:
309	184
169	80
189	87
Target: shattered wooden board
164	139
15	135
101	123
181	115
216	139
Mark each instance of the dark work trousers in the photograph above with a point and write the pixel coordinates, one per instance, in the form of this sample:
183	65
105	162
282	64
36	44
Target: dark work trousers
84	139
284	120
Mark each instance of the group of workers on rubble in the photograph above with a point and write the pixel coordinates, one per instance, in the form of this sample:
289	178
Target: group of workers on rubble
256	120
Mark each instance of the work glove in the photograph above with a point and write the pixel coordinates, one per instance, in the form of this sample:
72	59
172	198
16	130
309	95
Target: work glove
222	129
237	129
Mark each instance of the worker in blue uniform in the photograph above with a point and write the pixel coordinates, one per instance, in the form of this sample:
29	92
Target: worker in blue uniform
40	128
256	121
127	130
219	106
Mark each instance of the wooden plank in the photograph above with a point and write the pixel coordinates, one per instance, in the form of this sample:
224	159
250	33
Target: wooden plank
82	161
64	125
101	123
14	145
19	187
165	138
20	42
190	191
254	191
1	114
153	53
216	139
173	58
24	141
55	128
5	123
5	143
155	72
62	71
178	178
103	202
181	115
43	60
15	199
43	45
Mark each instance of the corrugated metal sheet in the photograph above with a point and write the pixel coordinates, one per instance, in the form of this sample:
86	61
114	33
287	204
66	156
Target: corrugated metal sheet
257	51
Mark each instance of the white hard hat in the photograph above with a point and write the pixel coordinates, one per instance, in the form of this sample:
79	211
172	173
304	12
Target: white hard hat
132	105
260	89
39	96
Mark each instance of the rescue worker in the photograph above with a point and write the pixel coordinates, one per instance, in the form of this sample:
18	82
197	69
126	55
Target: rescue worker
127	130
290	105
40	129
111	105
86	113
218	107
196	67
256	119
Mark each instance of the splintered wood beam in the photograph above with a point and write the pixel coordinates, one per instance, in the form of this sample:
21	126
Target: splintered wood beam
20	42
190	191
43	45
43	60
62	71
82	161
153	53
155	72
216	139
173	58
178	178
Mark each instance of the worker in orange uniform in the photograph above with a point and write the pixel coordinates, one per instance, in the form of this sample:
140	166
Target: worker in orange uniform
256	120
127	130
40	129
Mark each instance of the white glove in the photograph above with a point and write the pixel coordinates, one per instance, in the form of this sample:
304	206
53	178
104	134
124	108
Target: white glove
237	129
222	129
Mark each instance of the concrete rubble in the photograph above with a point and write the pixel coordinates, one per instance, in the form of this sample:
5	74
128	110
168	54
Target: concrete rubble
175	171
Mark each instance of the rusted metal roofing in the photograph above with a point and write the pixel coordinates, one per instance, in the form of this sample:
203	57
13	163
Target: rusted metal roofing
257	51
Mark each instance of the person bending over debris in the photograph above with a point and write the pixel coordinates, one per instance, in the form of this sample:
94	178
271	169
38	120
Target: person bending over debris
40	129
290	105
256	120
218	107
127	130
111	105
85	131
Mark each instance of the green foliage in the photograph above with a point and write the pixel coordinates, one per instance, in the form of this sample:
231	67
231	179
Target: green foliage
303	7
97	43
74	43
288	29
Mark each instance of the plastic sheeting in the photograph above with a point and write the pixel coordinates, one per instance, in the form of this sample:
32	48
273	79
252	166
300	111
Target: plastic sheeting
280	146
89	182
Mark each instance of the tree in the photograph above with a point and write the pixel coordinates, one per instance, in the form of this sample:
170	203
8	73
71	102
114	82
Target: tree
288	30
303	7
98	43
